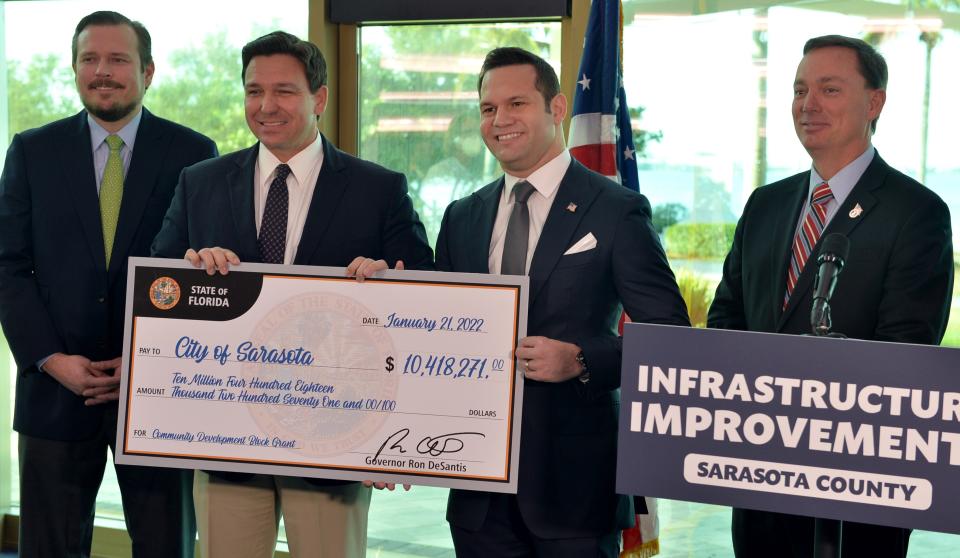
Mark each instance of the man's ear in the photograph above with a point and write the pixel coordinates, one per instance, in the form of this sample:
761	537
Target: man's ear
148	76
878	97
320	100
558	107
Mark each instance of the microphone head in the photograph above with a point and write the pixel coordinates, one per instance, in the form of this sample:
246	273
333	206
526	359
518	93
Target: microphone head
835	247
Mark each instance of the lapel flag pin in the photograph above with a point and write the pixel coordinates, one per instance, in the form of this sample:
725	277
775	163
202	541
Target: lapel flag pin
856	211
572	207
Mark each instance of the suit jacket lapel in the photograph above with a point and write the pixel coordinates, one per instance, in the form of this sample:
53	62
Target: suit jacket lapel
842	223
331	185
781	249
241	191
862	195
561	224
483	215
149	151
80	180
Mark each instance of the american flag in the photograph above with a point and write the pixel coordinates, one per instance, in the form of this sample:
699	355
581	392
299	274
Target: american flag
600	134
602	139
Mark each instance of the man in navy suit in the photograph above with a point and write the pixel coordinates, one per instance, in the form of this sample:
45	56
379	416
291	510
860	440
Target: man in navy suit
896	284
77	197
333	210
590	250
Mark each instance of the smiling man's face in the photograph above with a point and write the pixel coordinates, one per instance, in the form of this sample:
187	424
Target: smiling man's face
109	74
281	110
514	121
833	106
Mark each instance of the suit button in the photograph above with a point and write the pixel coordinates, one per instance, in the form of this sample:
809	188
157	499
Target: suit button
101	299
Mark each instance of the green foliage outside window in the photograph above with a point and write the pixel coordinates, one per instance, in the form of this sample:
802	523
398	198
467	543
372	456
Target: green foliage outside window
699	240
39	92
201	89
697	291
205	92
668	214
419	107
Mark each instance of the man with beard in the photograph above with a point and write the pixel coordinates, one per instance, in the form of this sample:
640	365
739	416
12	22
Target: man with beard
77	197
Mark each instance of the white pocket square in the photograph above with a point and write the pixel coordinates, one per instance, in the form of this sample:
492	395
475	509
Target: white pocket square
588	242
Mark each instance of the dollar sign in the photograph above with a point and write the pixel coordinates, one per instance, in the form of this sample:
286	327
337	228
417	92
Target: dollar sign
389	365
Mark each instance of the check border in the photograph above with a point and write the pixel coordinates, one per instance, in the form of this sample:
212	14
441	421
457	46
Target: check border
503	483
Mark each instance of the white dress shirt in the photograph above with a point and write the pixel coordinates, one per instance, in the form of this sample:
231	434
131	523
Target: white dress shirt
301	182
841	185
545	182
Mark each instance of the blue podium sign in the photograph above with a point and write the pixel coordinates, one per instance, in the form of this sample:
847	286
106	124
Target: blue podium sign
836	428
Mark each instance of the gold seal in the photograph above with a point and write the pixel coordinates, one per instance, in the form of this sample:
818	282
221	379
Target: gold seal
164	293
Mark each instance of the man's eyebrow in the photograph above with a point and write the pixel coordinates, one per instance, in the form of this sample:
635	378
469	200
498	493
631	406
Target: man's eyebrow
289	84
824	79
509	99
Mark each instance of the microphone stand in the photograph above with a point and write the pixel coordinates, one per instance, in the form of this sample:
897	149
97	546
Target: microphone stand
827	537
827	533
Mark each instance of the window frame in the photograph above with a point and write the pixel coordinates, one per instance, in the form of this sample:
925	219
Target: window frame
340	44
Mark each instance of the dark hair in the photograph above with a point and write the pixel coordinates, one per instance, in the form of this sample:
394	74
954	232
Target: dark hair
870	63
279	42
547	83
114	18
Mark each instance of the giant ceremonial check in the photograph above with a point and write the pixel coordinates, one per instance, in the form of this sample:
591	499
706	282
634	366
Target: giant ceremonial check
295	370
836	428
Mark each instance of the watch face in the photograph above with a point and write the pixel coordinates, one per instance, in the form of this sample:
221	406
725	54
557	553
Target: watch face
584	375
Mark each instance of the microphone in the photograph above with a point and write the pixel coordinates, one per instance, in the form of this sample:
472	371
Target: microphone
833	253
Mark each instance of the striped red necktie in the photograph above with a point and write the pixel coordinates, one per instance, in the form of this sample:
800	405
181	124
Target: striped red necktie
807	236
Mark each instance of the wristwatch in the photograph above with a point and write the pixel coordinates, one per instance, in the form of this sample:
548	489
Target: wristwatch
584	376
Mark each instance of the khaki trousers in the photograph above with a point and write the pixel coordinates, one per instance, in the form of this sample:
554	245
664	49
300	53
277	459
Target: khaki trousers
240	519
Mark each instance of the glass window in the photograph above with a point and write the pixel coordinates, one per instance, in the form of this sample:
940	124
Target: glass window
419	114
8	442
196	49
419	111
715	90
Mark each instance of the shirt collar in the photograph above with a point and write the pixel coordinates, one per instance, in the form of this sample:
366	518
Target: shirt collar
544	180
843	182
300	164
128	133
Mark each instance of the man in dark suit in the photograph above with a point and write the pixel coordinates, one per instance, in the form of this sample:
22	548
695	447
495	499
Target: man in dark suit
63	272
293	198
588	246
897	281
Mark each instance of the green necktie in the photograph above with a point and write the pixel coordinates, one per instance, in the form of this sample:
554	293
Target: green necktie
111	192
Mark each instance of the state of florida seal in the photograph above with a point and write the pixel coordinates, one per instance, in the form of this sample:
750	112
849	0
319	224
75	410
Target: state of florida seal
164	293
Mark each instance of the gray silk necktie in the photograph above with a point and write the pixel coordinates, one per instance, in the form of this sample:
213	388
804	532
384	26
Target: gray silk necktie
514	260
